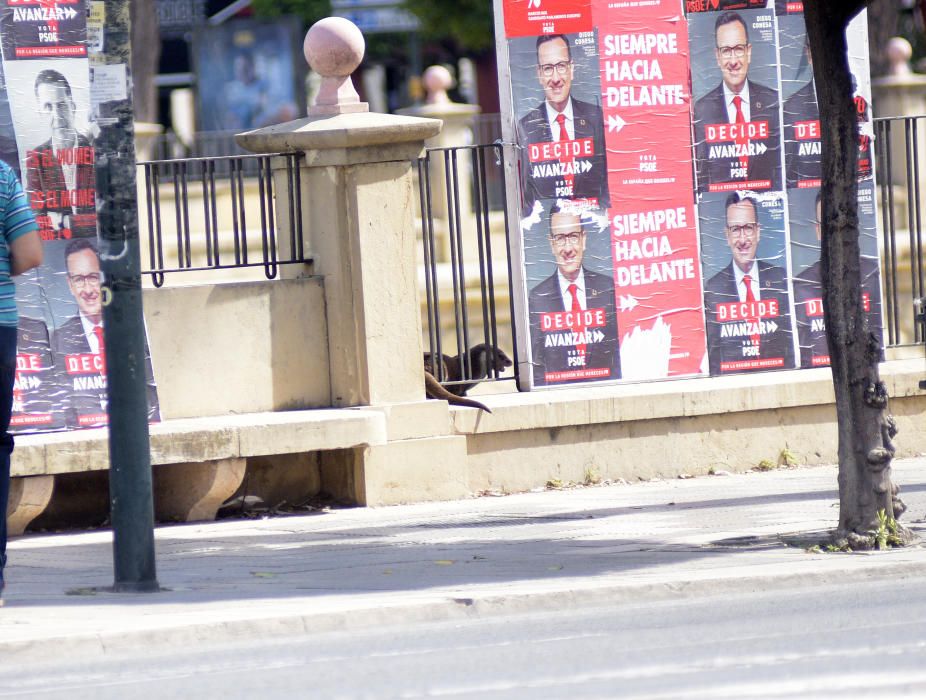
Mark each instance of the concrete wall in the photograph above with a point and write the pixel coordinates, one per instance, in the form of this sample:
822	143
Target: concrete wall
239	348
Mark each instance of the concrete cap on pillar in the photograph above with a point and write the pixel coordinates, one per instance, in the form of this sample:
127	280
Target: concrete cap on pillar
437	81
334	48
899	52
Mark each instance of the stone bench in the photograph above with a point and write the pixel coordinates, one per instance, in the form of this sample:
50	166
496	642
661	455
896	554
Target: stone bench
198	463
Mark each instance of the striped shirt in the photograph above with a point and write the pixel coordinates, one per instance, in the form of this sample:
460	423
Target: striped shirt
16	219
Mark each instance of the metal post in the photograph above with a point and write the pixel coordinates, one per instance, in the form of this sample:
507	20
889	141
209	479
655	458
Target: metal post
131	502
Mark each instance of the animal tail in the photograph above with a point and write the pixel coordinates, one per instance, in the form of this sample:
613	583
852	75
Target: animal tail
435	390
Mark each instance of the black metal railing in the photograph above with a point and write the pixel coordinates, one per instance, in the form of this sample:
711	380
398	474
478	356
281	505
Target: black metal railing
458	251
899	144
214	236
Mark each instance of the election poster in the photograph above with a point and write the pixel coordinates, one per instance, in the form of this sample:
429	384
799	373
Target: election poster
800	117
43	29
807	279
735	87
688	131
47	136
563	146
746	297
571	302
600	114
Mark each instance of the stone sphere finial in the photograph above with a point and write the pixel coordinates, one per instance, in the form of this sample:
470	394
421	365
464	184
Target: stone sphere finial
437	81
898	52
334	48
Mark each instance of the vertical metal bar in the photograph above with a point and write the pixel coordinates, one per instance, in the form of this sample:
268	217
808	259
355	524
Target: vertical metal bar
154	245
490	277
239	183
292	196
885	175
451	176
178	211
916	247
186	213
296	195
267	242
203	169
894	318
234	194
500	160
216	244
430	267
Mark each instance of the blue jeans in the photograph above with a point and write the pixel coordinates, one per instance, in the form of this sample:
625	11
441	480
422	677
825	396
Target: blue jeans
7	376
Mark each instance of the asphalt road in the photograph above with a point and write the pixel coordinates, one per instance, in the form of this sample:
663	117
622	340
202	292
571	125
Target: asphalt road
846	641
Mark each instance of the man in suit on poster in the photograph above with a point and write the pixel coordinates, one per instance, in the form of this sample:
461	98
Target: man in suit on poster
79	344
60	176
737	100
808	302
574	303
740	327
550	170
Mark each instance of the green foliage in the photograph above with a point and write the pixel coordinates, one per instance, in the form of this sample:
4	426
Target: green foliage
786	458
469	23
592	476
765	465
887	535
309	10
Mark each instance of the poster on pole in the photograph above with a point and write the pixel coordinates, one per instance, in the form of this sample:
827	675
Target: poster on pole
47	135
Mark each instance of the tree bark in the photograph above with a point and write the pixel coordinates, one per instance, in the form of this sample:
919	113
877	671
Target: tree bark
146	55
864	426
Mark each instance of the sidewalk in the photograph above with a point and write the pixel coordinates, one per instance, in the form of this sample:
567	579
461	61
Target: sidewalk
340	569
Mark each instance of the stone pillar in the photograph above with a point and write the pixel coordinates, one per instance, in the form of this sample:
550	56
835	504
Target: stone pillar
457	131
357	207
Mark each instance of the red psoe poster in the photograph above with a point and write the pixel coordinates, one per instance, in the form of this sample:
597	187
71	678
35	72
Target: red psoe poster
646	101
537	17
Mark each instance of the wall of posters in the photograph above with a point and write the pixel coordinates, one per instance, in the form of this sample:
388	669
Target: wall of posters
684	134
47	130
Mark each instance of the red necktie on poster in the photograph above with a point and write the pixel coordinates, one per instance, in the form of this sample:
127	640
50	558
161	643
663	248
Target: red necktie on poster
577	324
750	299
569	178
741	139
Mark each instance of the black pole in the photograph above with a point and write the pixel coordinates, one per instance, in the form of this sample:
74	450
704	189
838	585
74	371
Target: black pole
131	502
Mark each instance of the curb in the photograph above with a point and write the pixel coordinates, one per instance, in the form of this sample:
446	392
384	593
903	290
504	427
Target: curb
440	608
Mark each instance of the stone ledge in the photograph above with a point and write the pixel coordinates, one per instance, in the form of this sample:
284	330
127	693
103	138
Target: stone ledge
205	439
557	408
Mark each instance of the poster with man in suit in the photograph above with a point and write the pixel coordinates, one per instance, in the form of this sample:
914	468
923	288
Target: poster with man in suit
734	84
571	302
746	300
79	343
560	134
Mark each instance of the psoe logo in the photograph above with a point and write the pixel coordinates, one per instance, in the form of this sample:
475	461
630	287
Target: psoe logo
533	3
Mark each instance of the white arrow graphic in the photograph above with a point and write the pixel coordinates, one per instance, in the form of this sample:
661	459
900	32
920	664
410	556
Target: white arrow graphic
760	148
615	122
70	12
597	336
628	303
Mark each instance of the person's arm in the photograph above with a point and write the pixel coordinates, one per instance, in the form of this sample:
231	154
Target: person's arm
21	229
25	253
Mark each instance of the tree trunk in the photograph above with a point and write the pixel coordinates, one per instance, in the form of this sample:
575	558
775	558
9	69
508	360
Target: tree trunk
146	55
865	428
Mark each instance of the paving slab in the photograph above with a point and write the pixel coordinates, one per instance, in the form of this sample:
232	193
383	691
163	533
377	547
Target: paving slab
348	568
